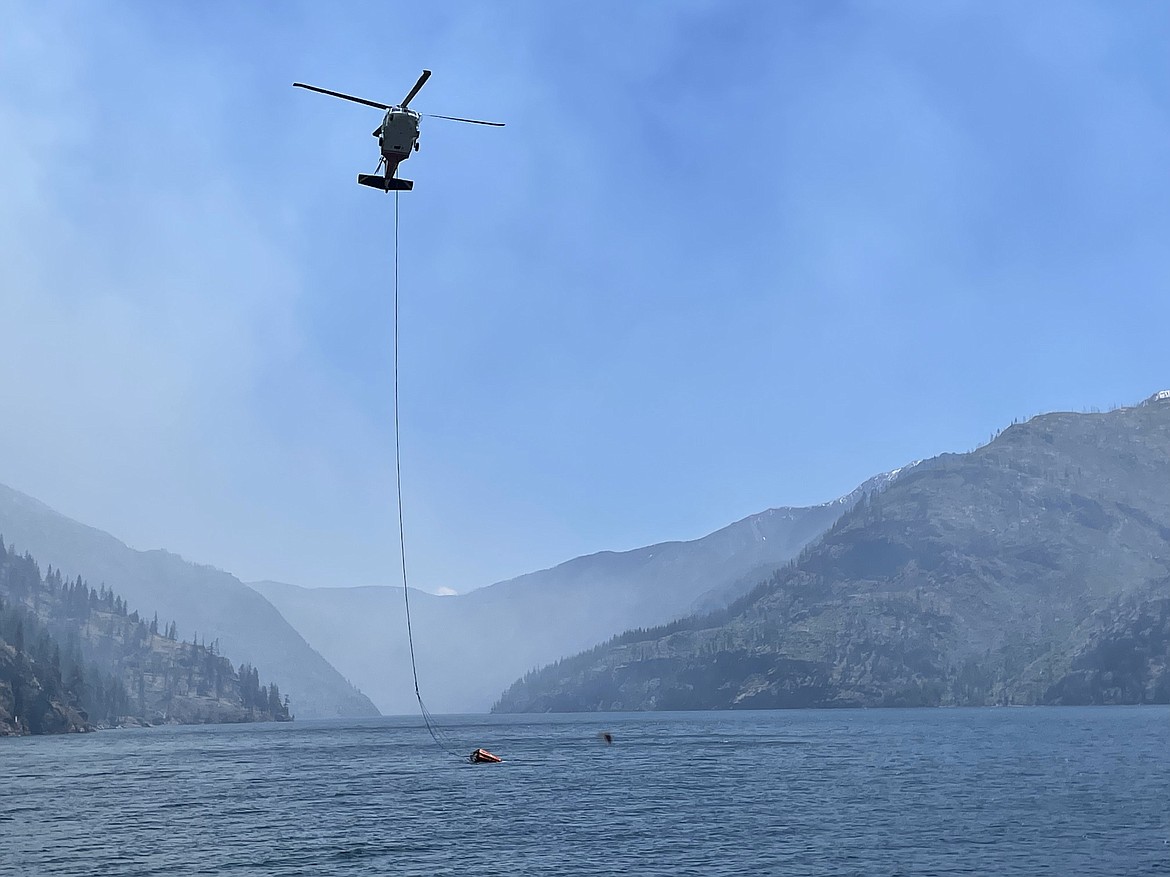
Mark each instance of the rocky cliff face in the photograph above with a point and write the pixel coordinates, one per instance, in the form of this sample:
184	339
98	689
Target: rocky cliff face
29	703
1122	656
1033	570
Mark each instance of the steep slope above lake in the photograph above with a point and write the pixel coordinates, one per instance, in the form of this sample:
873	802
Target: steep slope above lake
1033	570
201	599
80	657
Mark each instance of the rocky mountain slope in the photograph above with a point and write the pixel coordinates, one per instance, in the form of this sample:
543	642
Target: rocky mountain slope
34	697
74	658
203	600
470	646
1035	569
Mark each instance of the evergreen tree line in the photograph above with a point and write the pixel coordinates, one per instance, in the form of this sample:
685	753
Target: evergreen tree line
257	697
65	599
86	647
42	673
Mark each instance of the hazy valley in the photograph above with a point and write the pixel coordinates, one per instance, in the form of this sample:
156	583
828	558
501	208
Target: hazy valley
1032	570
469	647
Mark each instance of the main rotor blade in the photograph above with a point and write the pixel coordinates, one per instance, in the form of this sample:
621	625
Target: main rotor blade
356	100
458	119
426	74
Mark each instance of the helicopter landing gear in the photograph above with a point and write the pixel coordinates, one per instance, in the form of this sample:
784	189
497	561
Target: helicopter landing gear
386	182
391	184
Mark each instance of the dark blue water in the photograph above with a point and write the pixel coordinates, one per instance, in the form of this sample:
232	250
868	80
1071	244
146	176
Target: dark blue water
877	792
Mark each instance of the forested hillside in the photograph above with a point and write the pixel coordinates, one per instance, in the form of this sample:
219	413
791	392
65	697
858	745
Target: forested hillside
1035	569
73	658
203	599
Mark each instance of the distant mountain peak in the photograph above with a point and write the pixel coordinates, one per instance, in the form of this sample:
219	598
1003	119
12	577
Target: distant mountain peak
876	483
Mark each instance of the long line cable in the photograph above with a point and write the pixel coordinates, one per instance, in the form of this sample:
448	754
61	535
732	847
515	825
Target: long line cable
437	734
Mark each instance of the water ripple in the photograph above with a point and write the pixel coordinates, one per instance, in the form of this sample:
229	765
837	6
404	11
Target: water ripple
914	792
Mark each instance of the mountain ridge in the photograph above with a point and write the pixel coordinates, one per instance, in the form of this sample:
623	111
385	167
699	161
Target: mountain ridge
81	658
945	588
201	598
470	646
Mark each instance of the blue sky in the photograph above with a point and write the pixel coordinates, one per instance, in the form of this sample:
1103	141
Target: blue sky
724	257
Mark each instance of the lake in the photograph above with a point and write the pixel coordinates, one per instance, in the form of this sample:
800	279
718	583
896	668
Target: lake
1027	791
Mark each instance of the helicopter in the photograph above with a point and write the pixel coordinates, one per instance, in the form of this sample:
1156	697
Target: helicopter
397	135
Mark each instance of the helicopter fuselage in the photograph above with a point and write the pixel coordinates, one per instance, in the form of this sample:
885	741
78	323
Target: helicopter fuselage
397	136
